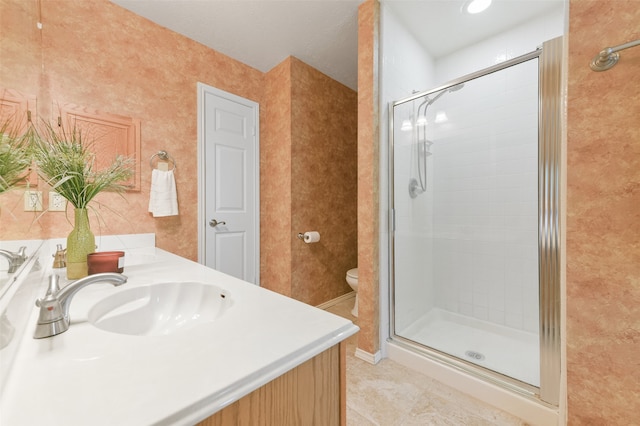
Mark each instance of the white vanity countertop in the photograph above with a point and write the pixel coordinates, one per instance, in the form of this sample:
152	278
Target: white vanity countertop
90	376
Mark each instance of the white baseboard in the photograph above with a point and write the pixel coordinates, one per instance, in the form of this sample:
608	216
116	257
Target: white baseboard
337	300
366	356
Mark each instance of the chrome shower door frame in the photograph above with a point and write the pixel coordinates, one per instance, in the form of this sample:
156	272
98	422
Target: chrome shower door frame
550	132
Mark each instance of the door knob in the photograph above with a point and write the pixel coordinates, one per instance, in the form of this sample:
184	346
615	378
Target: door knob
213	223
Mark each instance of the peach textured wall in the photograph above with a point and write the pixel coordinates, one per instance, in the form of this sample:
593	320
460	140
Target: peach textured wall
105	58
323	184
275	181
603	217
309	153
368	176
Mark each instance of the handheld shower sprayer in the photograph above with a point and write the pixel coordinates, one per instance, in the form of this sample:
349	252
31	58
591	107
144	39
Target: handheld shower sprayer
423	145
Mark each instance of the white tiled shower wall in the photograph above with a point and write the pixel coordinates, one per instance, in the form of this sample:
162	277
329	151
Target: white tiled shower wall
474	263
485	162
407	68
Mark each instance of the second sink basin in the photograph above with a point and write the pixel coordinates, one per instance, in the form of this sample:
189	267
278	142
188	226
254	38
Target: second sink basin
160	309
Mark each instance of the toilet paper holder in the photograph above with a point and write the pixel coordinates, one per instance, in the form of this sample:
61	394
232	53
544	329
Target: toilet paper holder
309	237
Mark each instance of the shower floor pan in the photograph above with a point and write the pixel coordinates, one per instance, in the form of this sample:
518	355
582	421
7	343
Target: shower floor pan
508	351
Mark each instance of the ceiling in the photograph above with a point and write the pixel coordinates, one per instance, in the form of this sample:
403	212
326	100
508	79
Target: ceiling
324	33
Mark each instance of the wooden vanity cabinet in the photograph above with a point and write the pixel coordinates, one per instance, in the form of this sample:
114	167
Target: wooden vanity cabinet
314	393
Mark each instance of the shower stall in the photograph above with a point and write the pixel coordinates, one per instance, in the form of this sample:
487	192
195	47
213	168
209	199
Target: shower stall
474	232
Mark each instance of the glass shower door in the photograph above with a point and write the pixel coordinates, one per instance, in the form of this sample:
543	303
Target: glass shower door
465	203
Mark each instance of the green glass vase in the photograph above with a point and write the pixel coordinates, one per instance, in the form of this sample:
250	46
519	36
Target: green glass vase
80	243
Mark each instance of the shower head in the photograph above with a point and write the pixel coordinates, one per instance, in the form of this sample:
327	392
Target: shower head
449	90
422	120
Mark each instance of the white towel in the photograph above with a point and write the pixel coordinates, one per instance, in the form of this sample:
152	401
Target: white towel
163	199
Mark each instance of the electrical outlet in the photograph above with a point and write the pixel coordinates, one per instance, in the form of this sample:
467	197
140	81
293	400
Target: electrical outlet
57	203
32	201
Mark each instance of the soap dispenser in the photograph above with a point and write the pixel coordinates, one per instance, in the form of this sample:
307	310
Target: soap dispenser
59	259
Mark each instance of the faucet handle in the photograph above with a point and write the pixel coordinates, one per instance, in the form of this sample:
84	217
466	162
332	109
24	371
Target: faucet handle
54	286
51	320
22	253
52	292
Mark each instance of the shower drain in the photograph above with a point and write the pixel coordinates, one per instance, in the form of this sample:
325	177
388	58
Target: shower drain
475	355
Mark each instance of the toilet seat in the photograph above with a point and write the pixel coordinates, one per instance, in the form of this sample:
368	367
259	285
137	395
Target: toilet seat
352	280
353	273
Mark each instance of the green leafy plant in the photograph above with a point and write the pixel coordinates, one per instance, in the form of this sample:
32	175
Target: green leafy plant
67	163
15	156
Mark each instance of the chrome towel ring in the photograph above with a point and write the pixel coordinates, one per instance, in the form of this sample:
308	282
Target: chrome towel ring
164	156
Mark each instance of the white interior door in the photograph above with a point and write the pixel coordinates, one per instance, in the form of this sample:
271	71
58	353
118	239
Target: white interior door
229	183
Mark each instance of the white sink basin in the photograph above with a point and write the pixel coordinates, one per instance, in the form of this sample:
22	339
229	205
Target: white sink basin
160	309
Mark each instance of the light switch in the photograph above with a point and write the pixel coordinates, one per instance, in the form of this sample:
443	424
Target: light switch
32	201
57	203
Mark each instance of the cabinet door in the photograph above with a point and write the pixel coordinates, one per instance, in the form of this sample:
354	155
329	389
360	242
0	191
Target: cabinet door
313	393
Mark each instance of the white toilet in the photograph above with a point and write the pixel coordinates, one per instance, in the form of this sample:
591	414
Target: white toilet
352	280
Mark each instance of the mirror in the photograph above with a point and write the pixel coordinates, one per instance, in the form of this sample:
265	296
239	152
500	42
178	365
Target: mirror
16	111
50	76
21	77
31	249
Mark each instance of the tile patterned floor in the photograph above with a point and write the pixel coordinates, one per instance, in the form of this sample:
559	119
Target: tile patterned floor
389	394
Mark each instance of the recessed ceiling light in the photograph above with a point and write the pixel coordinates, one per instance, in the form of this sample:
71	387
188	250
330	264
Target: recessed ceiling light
475	6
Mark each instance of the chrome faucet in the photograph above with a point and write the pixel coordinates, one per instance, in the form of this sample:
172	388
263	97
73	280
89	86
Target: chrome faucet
54	307
15	259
